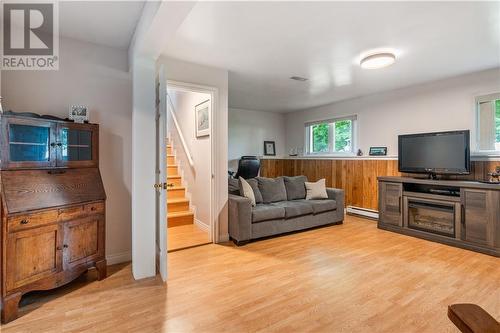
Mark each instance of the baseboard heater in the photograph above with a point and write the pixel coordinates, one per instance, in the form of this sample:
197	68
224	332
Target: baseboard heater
373	214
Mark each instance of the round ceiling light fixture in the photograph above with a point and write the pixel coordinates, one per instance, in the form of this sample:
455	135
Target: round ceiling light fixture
377	60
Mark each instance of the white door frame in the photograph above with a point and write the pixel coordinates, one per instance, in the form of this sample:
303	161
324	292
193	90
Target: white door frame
161	173
214	96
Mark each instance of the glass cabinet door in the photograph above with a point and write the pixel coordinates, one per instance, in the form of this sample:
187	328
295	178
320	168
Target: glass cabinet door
78	145
29	143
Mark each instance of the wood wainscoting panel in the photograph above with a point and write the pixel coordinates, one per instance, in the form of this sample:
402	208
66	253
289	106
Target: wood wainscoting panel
357	177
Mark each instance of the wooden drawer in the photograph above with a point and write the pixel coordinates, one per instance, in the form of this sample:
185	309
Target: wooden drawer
95	208
27	221
70	213
74	212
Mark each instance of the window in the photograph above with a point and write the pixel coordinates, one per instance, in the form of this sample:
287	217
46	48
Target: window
488	124
330	136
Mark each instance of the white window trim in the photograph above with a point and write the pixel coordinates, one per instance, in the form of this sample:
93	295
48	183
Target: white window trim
477	100
308	142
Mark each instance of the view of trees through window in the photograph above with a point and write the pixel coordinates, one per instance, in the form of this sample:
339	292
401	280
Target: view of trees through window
341	136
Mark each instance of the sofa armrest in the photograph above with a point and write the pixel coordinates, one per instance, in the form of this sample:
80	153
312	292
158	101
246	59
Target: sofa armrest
240	218
337	195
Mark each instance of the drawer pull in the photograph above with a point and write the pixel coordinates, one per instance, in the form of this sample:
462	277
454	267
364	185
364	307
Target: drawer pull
25	221
58	248
93	208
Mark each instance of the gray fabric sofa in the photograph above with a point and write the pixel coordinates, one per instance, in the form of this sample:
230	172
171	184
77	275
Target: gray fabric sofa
281	207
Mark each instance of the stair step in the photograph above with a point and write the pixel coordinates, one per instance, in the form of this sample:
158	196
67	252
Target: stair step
177	204
175	219
176	192
170	159
172	170
174	179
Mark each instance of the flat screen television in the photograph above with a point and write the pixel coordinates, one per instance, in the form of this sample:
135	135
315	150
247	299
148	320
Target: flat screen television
435	153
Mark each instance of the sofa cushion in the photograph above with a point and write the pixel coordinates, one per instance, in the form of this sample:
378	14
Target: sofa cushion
233	186
295	187
294	208
264	212
322	205
255	187
247	190
272	189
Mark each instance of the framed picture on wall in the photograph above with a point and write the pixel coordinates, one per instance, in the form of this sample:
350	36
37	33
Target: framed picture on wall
269	148
202	118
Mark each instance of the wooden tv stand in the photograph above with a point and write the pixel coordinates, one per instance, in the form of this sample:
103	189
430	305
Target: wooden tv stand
465	214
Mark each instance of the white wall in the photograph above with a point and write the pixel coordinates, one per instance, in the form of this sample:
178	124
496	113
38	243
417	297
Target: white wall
143	168
248	129
436	106
96	76
196	178
178	70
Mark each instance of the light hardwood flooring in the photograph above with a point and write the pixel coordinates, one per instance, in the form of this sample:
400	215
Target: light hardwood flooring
185	236
347	278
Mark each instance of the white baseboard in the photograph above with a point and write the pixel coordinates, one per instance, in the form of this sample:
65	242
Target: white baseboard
118	258
201	225
362	212
224	238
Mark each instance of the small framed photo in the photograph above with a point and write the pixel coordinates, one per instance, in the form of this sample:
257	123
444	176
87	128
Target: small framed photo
378	151
269	148
79	113
202	118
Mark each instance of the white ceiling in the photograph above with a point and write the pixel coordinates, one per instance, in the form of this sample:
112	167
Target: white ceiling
264	43
110	23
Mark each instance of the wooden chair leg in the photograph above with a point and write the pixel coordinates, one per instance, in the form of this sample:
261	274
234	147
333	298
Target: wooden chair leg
101	267
10	307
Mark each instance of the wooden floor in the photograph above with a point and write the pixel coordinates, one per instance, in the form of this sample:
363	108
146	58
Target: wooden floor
348	278
186	236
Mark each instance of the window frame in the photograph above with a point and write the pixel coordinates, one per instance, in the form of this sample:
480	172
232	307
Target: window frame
330	121
492	97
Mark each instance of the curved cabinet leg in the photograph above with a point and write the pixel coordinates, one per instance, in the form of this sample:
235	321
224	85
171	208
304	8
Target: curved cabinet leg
101	268
10	307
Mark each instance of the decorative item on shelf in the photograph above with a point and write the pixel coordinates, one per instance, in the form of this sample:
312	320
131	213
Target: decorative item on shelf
269	148
1	109
293	152
79	113
359	153
202	115
378	151
495	176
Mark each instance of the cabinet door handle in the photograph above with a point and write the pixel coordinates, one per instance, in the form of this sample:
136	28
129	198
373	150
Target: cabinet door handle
399	207
65	246
462	214
58	248
59	144
53	144
25	221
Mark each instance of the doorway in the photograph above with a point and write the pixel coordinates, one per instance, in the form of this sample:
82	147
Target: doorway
189	166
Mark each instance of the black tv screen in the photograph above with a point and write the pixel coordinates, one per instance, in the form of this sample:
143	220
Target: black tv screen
435	153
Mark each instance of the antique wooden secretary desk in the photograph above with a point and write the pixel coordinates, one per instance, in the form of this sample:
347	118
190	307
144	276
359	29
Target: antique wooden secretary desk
52	205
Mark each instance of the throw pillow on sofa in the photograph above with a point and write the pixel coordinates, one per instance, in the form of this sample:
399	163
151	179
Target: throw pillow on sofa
255	187
247	191
295	187
272	189
316	190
